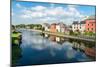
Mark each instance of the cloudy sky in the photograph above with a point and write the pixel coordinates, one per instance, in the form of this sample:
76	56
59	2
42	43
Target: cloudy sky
37	12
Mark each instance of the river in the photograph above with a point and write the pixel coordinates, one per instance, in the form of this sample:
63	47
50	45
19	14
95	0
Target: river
39	49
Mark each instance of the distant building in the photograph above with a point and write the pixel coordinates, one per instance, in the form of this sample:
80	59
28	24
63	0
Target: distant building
58	28
75	26
68	29
61	27
90	24
46	26
53	27
78	26
82	26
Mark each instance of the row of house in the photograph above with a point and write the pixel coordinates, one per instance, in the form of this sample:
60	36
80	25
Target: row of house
88	25
55	27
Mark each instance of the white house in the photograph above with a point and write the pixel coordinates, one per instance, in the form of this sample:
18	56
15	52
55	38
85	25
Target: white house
82	26
75	26
46	26
78	26
60	27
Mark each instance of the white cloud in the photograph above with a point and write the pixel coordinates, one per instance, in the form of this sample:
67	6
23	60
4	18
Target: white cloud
57	11
38	8
50	14
33	14
18	5
38	14
48	19
72	11
25	16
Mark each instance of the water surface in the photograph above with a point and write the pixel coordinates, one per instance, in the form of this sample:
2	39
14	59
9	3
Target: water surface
38	49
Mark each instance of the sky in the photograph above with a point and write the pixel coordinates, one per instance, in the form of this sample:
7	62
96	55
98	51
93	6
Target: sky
39	12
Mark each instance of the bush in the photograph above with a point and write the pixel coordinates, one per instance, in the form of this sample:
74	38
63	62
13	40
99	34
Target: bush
89	33
71	32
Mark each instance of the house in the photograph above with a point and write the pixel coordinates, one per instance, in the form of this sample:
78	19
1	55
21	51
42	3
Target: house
90	24
46	26
53	27
68	29
82	26
78	26
75	26
58	28
61	27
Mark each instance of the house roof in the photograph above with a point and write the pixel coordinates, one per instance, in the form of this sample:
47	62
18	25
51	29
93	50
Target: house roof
75	22
62	24
46	24
53	24
82	22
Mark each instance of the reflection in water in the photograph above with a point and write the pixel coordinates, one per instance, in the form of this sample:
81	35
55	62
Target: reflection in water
87	47
46	49
57	39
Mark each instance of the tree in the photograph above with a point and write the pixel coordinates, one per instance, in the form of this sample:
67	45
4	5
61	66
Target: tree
71	32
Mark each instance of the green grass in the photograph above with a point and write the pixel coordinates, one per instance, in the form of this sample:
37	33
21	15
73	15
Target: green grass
16	37
16	34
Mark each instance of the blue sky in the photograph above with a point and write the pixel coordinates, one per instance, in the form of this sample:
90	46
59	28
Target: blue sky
39	12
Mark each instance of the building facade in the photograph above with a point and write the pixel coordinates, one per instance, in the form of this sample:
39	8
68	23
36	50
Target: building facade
75	26
53	27
46	26
78	26
87	25
82	26
58	28
90	25
61	27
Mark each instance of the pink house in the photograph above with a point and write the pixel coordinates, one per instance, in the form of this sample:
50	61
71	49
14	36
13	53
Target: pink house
90	25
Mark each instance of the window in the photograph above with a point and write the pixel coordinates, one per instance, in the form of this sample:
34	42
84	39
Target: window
92	29
88	29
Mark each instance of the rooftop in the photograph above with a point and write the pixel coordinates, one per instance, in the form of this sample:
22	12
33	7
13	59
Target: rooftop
75	22
82	22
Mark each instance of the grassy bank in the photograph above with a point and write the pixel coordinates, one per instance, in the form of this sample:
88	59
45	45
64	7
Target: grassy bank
16	37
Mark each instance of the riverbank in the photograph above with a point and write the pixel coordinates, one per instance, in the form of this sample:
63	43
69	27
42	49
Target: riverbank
85	38
16	38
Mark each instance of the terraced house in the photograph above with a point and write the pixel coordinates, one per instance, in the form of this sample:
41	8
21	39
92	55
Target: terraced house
88	25
46	26
58	27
